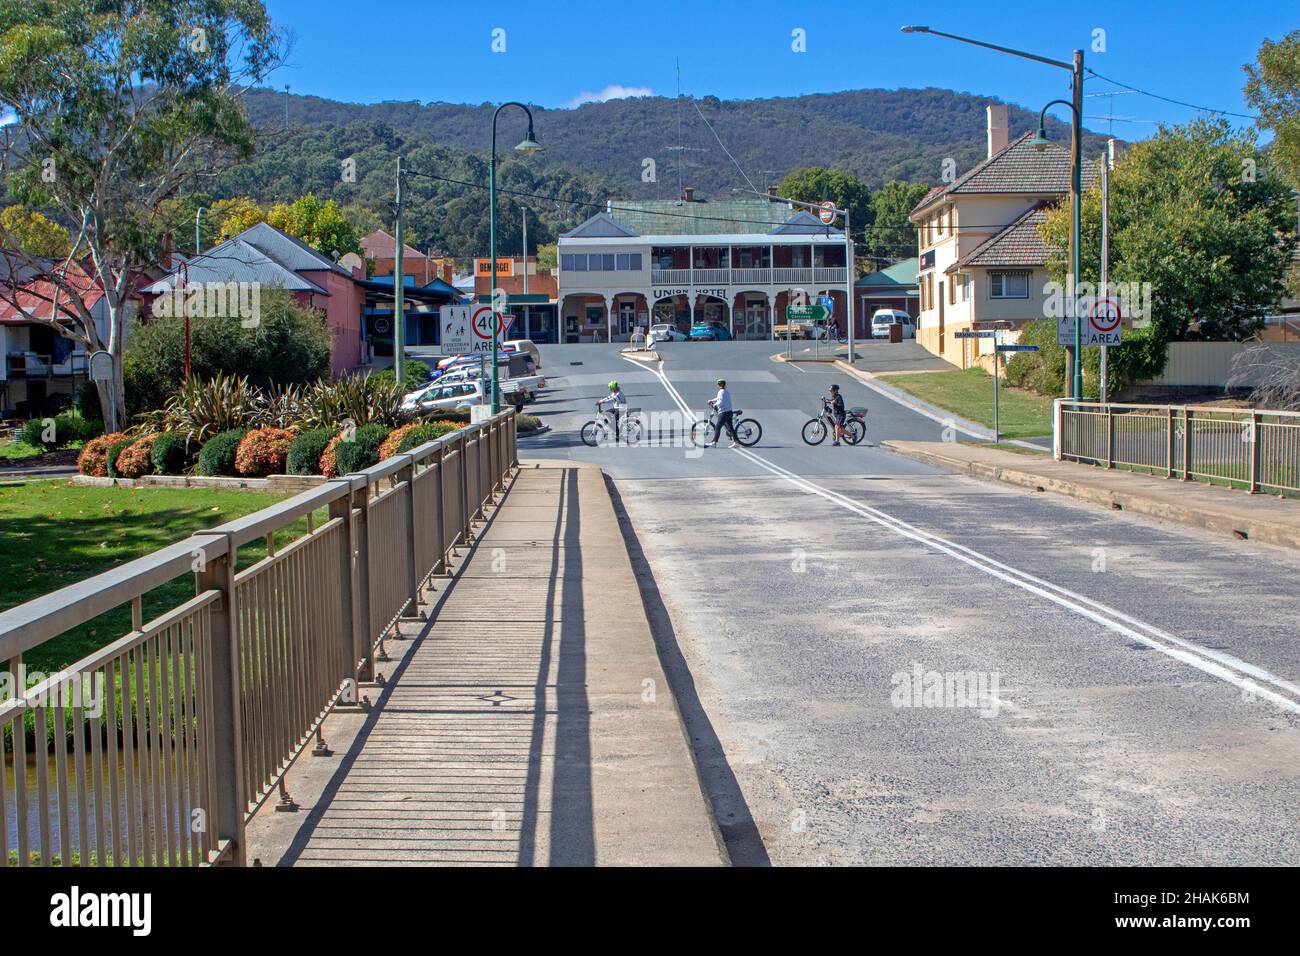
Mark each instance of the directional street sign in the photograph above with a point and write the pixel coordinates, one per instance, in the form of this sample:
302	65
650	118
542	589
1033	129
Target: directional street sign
806	313
1017	348
975	334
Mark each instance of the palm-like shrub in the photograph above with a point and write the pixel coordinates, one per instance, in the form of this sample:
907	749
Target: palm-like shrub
283	406
218	454
263	452
136	460
359	399
201	409
93	459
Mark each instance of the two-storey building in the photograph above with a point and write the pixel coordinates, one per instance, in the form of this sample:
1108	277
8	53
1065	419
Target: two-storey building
736	262
982	256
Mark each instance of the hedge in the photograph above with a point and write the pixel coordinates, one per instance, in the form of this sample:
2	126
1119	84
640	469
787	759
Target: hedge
218	455
93	459
362	451
170	453
114	450
263	452
306	449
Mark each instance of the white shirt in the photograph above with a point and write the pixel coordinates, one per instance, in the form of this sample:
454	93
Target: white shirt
615	398
723	401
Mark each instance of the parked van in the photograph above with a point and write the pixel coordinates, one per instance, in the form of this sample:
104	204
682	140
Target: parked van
882	319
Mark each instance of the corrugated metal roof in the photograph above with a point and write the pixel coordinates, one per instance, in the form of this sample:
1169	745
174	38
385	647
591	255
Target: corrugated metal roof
701	217
238	261
899	274
289	251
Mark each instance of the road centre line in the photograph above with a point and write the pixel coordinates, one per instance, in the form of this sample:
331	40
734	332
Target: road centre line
1225	667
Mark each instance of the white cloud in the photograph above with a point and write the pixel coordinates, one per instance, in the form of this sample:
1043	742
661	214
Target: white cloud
615	91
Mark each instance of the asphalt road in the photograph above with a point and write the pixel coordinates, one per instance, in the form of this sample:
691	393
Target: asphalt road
883	663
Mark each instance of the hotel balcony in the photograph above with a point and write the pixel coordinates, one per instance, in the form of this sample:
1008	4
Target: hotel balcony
827	275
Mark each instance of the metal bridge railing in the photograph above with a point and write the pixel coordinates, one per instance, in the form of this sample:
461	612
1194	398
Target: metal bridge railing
167	740
1253	449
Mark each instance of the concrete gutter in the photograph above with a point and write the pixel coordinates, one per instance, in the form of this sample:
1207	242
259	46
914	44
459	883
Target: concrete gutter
1198	505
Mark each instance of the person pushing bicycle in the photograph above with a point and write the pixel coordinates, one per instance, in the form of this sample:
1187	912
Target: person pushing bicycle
721	404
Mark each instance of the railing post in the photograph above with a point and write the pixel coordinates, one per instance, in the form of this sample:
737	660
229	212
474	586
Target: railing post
1110	437
439	460
464	484
362	644
1187	443
1169	441
342	508
1058	437
407	474
1254	450
226	818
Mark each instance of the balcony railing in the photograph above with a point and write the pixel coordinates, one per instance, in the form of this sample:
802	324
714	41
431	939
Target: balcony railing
828	275
670	276
746	276
785	276
712	276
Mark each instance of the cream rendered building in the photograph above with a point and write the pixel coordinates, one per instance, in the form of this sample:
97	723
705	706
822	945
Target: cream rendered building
982	258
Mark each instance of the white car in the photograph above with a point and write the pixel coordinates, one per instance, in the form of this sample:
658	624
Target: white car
448	396
666	332
882	319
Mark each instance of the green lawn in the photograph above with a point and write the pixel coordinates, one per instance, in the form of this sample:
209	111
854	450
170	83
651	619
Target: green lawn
969	393
53	534
18	450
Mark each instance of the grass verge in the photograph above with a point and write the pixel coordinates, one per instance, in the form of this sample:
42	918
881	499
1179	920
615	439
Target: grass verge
969	393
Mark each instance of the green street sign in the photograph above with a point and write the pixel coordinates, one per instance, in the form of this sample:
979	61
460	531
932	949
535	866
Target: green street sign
806	313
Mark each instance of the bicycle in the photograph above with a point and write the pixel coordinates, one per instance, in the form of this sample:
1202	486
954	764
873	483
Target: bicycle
598	430
748	431
816	429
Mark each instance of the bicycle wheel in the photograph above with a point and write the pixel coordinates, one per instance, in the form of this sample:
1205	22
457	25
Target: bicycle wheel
595	433
854	431
814	431
748	432
633	434
701	433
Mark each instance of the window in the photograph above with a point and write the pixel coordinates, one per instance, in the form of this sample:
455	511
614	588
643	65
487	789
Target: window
1008	285
628	262
574	262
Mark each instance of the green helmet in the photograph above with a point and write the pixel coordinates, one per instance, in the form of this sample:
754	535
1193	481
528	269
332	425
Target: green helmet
613	384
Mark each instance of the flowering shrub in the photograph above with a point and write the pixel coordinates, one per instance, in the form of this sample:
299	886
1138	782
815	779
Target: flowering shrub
93	459
328	465
136	459
424	432
263	452
389	447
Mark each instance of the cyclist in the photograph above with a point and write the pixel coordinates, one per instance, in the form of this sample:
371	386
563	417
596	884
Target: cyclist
617	402
838	414
721	404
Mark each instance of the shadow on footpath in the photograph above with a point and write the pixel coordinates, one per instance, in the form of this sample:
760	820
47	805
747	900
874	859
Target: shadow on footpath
740	834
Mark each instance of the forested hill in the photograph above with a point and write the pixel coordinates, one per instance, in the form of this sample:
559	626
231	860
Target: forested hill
877	135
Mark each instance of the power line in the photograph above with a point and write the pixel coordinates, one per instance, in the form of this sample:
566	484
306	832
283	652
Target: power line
1166	99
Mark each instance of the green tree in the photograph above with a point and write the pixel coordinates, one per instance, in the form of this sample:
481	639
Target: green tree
290	344
237	214
892	236
322	225
29	230
1273	88
1213	240
812	184
548	256
120	104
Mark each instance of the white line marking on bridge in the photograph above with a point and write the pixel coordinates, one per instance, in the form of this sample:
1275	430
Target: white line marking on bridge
1226	667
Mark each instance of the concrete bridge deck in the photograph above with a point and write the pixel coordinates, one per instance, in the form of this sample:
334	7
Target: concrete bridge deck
528	722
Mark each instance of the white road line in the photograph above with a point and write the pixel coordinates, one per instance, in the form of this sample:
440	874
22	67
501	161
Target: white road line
1226	667
1217	664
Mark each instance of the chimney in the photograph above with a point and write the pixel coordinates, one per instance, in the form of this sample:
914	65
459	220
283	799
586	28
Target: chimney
688	194
771	193
998	133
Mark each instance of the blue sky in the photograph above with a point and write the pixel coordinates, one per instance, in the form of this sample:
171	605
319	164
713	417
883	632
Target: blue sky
557	53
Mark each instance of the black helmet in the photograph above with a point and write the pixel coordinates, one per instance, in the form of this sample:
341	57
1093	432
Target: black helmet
834	387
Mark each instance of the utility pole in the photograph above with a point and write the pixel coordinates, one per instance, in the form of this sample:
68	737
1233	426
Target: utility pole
1076	198
198	243
1104	291
524	210
399	317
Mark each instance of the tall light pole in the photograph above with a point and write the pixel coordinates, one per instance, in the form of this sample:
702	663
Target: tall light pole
1076	172
528	146
399	283
198	243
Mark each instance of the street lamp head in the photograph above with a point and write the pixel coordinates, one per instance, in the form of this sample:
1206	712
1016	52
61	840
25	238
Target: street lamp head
1040	141
530	144
916	29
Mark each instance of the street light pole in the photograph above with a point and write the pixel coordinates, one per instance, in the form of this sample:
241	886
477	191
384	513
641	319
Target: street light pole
529	145
399	315
1076	173
198	243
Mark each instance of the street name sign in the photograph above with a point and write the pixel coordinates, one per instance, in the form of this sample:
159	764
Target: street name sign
975	334
1017	348
806	313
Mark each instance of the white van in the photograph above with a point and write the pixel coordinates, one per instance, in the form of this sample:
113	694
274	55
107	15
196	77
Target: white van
882	319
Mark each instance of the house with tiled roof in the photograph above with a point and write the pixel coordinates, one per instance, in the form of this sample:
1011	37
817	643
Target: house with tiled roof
271	258
733	262
982	256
